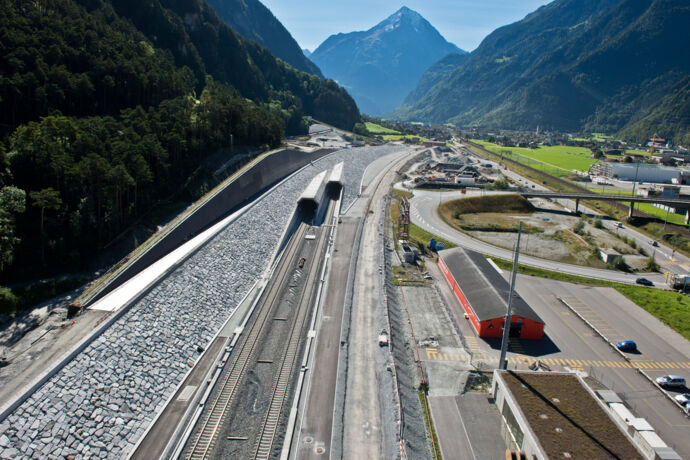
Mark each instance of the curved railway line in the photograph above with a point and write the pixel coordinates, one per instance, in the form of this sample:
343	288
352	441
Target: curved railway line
246	352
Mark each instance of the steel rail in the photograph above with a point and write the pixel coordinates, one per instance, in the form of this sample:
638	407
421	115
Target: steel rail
281	386
205	439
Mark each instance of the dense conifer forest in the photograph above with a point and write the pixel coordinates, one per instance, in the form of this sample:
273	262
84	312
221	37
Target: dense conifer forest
106	108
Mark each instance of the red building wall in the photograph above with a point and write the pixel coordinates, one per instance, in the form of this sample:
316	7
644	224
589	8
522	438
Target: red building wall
491	327
461	297
494	327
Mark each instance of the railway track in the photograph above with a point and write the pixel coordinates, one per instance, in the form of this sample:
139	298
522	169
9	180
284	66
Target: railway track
281	386
206	438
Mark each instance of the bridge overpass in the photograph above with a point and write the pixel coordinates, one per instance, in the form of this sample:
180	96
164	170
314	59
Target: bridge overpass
673	202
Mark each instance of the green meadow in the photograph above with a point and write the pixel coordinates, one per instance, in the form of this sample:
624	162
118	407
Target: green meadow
373	128
560	156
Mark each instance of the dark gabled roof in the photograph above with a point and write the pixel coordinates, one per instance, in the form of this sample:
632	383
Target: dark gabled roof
485	288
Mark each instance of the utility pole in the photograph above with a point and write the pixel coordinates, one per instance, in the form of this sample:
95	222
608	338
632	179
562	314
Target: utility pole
502	363
668	208
632	203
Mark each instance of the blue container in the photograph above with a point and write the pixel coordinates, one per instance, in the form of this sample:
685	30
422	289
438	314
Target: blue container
432	244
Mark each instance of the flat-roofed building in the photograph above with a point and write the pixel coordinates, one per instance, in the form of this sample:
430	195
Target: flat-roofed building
550	415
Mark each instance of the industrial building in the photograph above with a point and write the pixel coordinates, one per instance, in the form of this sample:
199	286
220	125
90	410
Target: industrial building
483	294
641	172
555	415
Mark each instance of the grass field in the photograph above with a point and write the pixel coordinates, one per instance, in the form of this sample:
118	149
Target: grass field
373	128
401	137
561	156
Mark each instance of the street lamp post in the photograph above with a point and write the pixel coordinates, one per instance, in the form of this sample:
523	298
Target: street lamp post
668	208
632	203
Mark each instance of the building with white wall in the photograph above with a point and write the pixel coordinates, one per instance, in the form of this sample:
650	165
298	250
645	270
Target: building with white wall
642	171
551	415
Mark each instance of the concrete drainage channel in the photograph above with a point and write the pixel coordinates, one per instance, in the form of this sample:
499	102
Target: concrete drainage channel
623	355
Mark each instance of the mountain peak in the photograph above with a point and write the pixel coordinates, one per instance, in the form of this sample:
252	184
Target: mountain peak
403	16
381	65
405	10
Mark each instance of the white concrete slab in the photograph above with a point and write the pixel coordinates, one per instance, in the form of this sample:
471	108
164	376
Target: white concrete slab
119	297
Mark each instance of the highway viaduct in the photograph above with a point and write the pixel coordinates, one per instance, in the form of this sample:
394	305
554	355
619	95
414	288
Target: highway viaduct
672	202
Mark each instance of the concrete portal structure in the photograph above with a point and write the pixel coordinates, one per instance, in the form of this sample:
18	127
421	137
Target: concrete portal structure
336	176
313	195
483	294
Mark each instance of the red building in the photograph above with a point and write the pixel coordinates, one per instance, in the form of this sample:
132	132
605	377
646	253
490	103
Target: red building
483	294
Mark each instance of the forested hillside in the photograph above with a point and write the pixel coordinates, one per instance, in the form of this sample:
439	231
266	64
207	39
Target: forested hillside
434	74
595	66
251	19
101	119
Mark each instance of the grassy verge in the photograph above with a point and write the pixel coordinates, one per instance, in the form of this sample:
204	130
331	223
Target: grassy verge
418	236
422	236
430	426
670	307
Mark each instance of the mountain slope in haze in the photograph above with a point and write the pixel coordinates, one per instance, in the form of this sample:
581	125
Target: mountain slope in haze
434	74
571	65
380	66
253	20
502	58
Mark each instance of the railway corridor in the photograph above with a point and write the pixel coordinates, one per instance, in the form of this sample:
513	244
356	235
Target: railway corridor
246	412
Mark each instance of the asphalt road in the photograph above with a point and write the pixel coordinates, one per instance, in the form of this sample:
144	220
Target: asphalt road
423	213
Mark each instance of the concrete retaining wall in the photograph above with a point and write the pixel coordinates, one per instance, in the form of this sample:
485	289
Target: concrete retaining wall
248	186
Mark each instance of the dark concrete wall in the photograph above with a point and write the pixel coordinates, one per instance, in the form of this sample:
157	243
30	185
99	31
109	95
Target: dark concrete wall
238	193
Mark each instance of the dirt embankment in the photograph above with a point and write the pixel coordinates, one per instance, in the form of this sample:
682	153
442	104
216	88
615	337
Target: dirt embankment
514	204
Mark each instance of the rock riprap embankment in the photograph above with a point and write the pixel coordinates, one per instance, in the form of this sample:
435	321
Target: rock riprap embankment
100	403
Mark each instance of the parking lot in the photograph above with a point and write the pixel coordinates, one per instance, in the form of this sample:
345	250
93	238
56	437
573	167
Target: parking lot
570	344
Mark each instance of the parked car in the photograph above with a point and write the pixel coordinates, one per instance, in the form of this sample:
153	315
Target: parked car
683	399
627	345
671	381
620	225
644	282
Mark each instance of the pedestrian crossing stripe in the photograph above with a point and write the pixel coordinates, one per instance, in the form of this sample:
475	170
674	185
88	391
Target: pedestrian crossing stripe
434	354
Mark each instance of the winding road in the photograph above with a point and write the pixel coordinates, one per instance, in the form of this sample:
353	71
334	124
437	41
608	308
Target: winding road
423	213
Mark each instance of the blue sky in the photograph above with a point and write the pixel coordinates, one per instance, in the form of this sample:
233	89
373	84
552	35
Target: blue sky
463	22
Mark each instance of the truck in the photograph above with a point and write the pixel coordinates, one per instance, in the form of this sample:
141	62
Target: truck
678	282
383	338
